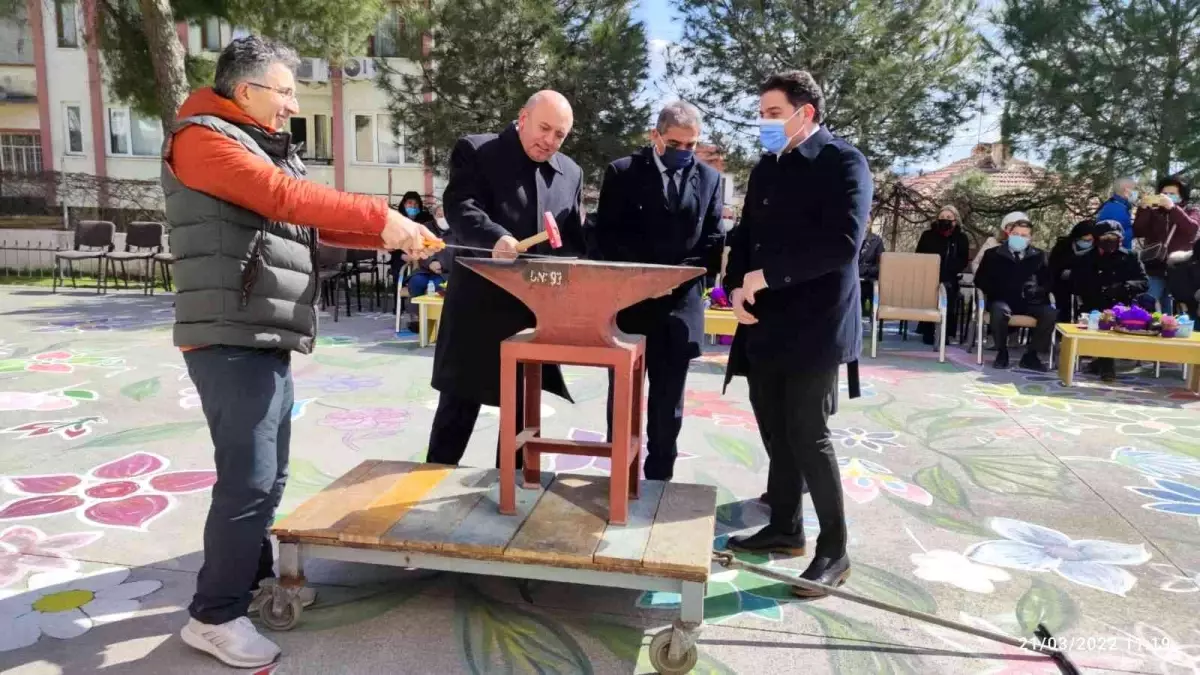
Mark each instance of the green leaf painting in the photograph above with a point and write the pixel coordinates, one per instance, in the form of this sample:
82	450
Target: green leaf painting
944	426
140	391
944	517
337	607
736	450
81	394
495	634
884	586
1015	475
1045	603
1189	448
857	658
943	486
368	363
143	435
628	643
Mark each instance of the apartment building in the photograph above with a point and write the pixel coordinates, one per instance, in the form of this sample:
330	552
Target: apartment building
56	113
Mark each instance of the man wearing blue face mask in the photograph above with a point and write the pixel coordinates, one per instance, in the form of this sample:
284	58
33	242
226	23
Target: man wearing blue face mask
662	206
420	272
1015	278
793	279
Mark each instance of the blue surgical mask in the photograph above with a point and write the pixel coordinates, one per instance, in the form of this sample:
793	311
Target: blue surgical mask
772	134
411	211
1017	243
1083	245
1175	199
1133	196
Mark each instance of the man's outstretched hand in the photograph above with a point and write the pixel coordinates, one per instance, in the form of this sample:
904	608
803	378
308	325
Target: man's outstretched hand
402	234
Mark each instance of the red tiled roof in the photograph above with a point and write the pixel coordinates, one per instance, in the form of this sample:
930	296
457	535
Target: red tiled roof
1007	175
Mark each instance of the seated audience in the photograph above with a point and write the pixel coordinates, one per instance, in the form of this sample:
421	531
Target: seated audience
1062	257
1015	278
868	266
945	238
1183	279
1166	224
989	244
1106	276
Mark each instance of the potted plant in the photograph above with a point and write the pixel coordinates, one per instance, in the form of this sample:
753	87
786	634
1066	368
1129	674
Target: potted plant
1170	326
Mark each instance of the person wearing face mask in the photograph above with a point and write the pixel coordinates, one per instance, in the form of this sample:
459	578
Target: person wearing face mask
661	206
1183	279
427	269
1166	224
946	239
1119	208
1016	279
793	279
1107	275
1065	252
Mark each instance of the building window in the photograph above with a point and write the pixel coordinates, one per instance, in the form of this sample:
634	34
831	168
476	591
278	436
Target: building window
21	153
376	143
133	135
210	34
322	131
73	114
66	13
383	43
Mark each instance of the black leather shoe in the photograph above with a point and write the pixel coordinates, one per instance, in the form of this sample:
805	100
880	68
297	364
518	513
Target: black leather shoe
824	570
769	540
1031	362
1001	361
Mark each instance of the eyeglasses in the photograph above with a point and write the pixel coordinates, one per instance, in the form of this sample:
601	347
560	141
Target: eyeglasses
289	94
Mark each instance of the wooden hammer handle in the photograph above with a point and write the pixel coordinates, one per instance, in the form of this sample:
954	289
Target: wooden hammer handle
529	242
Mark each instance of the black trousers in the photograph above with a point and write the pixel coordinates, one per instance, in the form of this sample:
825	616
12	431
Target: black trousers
1039	342
929	328
664	411
792	410
453	423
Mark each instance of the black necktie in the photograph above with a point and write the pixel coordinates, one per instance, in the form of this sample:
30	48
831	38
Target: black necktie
672	191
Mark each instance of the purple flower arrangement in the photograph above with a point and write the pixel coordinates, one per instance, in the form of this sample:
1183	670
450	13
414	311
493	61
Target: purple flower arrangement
1131	318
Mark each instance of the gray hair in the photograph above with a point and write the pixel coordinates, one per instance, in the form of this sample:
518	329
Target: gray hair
249	58
678	114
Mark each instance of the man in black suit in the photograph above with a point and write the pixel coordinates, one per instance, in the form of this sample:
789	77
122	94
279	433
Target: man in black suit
660	206
500	184
792	276
1015	278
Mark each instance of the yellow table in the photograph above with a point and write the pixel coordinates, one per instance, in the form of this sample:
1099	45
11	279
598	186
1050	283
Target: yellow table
429	308
1078	342
719	322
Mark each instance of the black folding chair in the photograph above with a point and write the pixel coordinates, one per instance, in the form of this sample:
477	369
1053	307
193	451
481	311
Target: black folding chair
143	241
93	240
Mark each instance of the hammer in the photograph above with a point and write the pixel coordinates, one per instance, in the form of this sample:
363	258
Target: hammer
550	233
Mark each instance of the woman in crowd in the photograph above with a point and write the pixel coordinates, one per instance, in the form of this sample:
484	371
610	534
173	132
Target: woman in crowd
1166	224
945	238
1066	251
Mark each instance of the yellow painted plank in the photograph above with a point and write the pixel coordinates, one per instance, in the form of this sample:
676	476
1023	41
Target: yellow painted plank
366	525
313	517
431	521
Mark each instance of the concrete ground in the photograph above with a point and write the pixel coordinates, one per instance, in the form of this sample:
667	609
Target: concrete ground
999	499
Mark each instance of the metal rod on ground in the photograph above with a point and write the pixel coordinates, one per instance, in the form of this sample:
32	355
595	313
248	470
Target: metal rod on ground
1037	644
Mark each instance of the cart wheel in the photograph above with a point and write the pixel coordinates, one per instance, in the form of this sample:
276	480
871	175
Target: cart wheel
281	612
660	655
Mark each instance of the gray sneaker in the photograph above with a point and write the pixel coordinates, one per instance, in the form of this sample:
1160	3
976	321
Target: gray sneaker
235	643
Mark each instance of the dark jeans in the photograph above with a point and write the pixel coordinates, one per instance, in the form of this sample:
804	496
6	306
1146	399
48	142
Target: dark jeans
792	410
418	283
453	423
928	328
246	395
664	412
1039	342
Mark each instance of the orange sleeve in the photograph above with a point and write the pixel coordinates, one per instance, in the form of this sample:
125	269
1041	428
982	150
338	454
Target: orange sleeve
212	163
368	242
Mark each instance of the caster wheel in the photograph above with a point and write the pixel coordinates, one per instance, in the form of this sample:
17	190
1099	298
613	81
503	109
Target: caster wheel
660	656
280	613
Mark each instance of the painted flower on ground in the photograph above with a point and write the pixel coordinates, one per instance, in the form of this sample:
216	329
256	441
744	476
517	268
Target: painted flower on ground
490	412
862	480
343	384
866	387
710	405
126	493
559	463
1138	422
955	568
1033	548
1008	396
59	362
1157	464
366	423
1065	425
189	398
26	549
45	401
65	605
875	441
1180	651
104	323
1173	497
66	429
1187	581
330	341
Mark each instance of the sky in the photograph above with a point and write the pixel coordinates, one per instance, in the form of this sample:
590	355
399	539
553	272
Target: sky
664	27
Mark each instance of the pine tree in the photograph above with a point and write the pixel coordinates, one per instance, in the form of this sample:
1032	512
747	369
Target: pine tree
899	76
1103	87
486	57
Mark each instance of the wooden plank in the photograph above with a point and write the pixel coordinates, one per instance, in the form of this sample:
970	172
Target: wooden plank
396	496
567	524
485	532
624	545
315	513
681	538
433	518
350	504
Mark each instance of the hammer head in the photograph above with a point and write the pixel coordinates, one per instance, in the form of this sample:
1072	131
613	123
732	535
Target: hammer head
554	236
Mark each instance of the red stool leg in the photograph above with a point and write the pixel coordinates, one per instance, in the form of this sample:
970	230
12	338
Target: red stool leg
635	465
508	432
533	418
618	493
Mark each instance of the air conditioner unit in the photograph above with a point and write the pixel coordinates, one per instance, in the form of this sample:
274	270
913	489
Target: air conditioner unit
359	68
313	70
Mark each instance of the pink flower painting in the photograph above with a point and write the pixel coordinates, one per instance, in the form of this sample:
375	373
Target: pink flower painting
65	429
25	550
558	463
366	423
862	481
710	405
59	362
45	401
128	493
